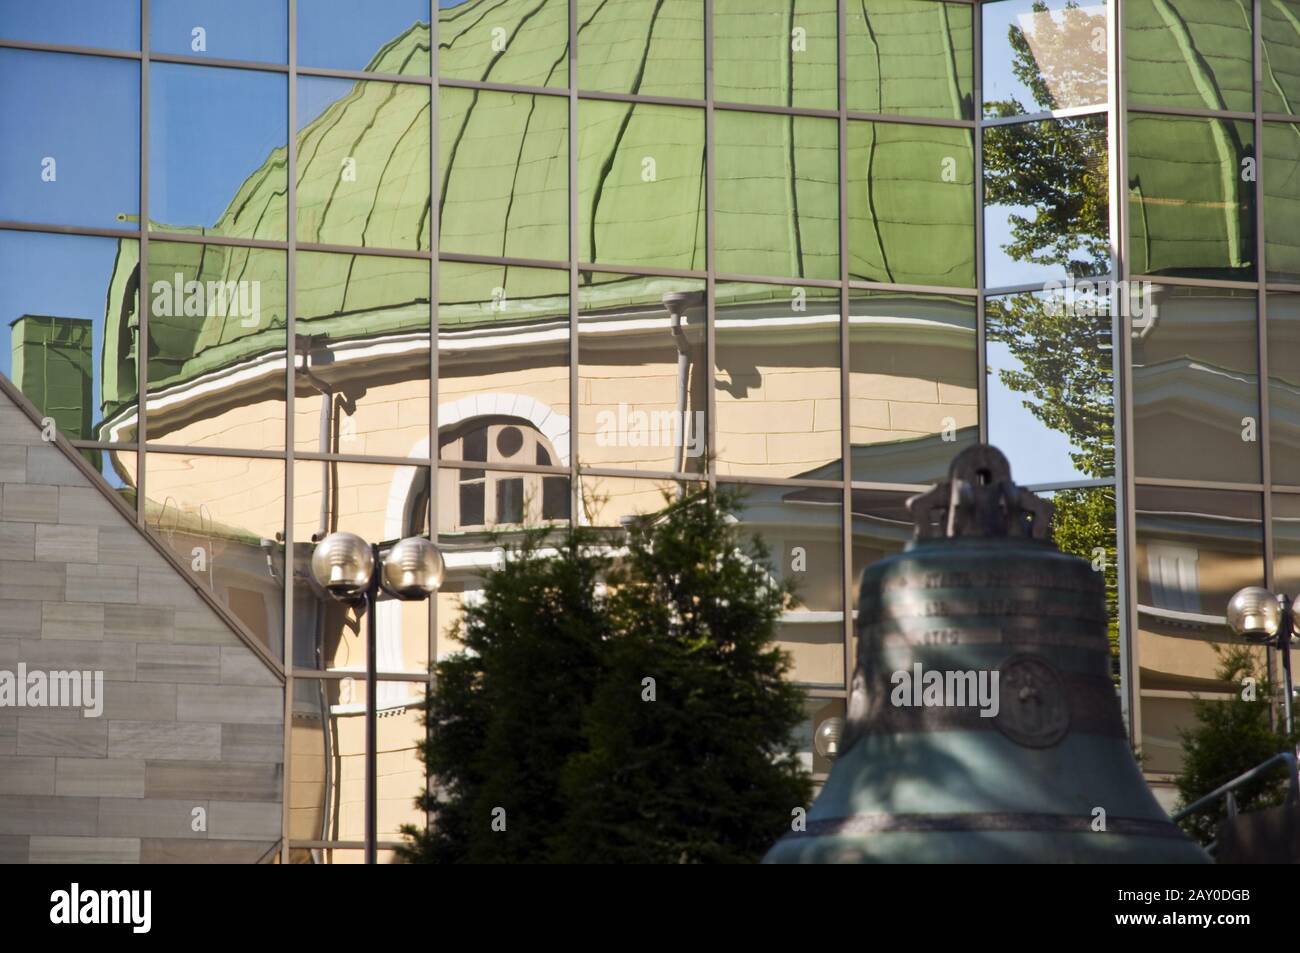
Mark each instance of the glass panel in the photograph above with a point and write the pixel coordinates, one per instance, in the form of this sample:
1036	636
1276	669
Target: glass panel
1192	197
612	502
1046	205
327	765
478	501
503	346
217	344
378	503
400	775
1195	548
363	355
363	163
1043	55
654	49
1280	87
109	24
223	517
1282	201
1196	385
69	139
505	178
384	36
913	384
910	57
69	320
504	41
472	537
777	195
911	204
1051	383
882	526
1189	53
641	185
117	467
1286	543
642	394
776	52
777	381
802	528
1083	524
1284	386
222	29
337	855
819	710
230	182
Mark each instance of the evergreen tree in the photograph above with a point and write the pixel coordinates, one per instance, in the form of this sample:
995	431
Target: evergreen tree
698	765
506	713
647	719
1229	739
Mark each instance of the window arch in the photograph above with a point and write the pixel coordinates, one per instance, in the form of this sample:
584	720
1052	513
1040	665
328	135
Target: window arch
474	498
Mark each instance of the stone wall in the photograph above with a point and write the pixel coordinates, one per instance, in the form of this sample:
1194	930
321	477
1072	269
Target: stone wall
186	761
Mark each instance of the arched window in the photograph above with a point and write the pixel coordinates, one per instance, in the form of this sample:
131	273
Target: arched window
472	498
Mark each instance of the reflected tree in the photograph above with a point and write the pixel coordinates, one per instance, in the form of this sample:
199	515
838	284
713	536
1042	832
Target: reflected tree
1061	60
1053	178
1053	173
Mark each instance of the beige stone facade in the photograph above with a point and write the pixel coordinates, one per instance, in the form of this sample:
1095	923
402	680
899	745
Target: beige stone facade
185	762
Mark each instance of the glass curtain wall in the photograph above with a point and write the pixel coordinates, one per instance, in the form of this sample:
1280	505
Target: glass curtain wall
285	267
1209	166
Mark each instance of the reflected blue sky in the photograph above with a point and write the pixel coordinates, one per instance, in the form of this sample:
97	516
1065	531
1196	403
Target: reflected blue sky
64	276
235	29
330	35
110	24
1076	69
316	93
1000	268
1037	453
209	129
84	113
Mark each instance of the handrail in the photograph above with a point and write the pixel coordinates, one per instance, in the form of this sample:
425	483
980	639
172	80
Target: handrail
1286	757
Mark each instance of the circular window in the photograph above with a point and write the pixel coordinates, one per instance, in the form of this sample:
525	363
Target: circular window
509	440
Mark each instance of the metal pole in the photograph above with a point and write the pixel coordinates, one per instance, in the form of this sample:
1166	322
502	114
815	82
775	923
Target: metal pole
372	718
1284	647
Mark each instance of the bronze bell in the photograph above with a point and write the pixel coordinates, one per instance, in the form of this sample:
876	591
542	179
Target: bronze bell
983	725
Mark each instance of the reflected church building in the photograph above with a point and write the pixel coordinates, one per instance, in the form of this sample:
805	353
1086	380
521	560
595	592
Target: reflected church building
431	269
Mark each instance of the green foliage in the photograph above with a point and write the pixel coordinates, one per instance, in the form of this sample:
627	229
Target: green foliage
1054	173
507	712
1064	67
547	714
1084	524
1052	176
1065	370
1230	738
1058	169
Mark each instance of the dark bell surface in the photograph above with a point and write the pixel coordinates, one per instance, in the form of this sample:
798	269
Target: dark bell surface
983	589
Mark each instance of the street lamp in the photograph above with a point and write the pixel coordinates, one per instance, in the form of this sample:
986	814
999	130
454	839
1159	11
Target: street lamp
344	565
1264	618
826	740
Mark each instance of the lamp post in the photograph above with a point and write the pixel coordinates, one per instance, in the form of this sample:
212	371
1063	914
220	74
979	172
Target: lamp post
353	571
1265	618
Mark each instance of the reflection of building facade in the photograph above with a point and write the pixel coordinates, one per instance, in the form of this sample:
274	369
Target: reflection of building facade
780	282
